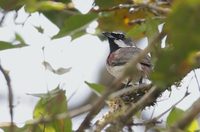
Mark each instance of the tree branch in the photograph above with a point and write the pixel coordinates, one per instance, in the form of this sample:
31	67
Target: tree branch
117	83
124	119
195	75
136	89
152	7
10	96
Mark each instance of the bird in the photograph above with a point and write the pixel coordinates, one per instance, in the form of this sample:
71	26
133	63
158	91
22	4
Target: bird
122	50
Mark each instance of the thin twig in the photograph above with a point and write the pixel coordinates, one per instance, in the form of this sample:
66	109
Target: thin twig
136	89
128	6
142	20
72	95
3	17
158	8
145	123
10	96
195	75
120	6
162	114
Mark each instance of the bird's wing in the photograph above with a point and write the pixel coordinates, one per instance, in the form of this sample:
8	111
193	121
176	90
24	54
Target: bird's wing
123	55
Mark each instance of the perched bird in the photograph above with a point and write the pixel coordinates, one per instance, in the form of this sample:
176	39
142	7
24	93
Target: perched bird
122	49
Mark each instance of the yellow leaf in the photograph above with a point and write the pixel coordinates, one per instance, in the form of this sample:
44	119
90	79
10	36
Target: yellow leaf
193	126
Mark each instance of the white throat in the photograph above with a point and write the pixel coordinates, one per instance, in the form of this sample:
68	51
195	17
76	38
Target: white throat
121	43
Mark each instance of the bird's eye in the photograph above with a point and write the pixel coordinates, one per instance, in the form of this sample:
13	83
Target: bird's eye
121	36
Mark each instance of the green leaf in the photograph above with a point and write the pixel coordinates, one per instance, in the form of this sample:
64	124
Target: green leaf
8	4
39	29
6	45
53	103
57	17
44	6
75	24
97	88
137	31
19	38
25	128
49	94
174	116
148	28
78	34
107	3
183	31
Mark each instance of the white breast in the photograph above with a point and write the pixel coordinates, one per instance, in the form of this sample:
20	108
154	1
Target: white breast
117	72
120	43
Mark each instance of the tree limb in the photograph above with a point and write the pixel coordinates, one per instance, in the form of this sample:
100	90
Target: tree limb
152	7
117	83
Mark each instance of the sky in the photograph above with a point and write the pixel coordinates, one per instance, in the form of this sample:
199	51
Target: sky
30	76
85	55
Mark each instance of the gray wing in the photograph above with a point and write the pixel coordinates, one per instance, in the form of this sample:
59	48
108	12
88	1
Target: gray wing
123	55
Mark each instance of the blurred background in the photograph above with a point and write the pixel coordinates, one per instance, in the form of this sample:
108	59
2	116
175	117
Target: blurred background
85	56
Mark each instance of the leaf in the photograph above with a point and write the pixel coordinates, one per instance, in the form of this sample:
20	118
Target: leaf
49	94
44	6
39	29
194	126
137	31
8	4
25	128
119	20
20	39
75	24
106	3
54	103
148	28
78	34
176	114
59	71
183	31
97	88
6	45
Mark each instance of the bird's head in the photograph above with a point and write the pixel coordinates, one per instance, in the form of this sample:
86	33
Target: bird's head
117	40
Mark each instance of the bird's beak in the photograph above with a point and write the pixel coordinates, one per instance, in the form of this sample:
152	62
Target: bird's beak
107	34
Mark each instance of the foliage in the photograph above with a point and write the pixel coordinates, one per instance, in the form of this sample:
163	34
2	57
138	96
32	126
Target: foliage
139	19
97	88
45	114
176	114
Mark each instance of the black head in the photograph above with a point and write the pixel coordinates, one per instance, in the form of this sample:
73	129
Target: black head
114	35
116	40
